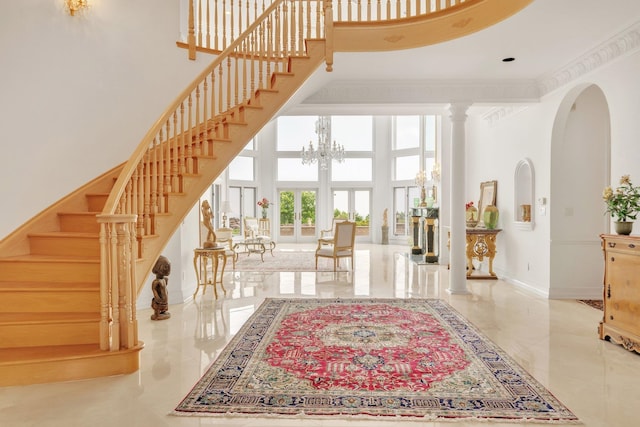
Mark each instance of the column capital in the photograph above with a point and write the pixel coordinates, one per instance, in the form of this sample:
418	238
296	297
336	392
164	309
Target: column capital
458	111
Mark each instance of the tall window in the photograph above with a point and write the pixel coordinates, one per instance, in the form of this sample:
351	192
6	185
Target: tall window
414	149
242	186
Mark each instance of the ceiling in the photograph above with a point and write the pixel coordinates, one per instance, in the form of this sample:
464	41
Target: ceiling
543	38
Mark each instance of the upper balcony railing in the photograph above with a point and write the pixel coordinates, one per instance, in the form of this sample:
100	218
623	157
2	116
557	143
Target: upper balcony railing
216	23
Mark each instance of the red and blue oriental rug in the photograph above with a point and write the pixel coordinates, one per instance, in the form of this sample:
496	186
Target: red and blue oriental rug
414	358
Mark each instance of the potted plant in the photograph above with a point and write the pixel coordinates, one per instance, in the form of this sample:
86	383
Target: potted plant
623	204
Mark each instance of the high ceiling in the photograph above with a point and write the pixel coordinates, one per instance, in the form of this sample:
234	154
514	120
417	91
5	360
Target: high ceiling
543	38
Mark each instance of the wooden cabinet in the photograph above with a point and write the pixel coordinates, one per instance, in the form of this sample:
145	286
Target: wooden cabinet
621	319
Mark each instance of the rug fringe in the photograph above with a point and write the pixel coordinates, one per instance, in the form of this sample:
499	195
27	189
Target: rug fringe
347	417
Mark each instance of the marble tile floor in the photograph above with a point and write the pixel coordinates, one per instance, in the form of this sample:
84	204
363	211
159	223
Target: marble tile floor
555	340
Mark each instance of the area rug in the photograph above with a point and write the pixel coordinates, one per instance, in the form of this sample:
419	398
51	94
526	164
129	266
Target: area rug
287	261
354	358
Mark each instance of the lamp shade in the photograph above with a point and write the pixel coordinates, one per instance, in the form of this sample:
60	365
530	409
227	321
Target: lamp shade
225	207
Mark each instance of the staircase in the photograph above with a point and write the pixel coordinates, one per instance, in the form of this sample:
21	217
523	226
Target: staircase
70	277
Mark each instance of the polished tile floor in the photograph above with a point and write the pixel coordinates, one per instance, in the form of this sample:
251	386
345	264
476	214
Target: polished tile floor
555	340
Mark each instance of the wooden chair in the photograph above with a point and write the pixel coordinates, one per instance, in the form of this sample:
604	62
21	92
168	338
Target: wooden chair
326	236
340	247
224	236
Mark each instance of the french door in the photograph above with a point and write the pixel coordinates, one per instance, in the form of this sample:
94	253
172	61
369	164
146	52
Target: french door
297	212
355	205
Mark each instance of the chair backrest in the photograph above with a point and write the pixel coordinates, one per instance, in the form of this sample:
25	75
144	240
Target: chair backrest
250	227
345	236
336	221
225	236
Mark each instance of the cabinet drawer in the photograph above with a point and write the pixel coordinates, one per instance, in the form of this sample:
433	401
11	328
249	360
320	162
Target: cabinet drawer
622	245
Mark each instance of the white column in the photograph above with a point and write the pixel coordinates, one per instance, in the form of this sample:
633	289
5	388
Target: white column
458	274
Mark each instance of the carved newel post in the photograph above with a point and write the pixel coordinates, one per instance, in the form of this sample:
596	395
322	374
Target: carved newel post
160	301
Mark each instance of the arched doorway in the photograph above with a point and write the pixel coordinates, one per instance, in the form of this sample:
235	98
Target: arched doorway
580	164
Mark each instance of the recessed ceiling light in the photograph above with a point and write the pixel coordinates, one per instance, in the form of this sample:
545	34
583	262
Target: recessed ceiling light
508	59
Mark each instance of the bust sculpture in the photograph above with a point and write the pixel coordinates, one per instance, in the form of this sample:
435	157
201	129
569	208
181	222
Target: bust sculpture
160	301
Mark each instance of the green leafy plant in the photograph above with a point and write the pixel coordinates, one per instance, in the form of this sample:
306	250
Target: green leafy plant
623	203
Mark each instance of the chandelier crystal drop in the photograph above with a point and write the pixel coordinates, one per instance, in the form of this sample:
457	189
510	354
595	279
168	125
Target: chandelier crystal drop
325	151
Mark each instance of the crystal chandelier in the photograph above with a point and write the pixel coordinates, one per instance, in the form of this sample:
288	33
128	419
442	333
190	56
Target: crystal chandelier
325	152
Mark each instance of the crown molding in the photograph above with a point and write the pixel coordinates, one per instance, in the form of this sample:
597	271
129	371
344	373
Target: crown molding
416	92
621	44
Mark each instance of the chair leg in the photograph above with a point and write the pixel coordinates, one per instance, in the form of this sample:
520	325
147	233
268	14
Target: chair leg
316	262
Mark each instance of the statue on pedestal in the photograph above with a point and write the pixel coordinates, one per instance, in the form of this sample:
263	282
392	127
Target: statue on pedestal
160	301
207	221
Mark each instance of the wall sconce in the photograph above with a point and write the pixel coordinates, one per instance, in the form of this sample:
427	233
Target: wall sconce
225	209
74	6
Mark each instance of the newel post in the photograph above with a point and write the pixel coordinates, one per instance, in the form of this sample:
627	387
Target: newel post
118	251
328	33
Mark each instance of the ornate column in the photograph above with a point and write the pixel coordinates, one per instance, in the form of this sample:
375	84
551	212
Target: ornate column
457	275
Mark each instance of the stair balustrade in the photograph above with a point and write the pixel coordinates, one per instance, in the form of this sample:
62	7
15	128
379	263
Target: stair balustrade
197	125
213	24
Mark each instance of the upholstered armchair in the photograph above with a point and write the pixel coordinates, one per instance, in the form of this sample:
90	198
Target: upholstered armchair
224	237
340	247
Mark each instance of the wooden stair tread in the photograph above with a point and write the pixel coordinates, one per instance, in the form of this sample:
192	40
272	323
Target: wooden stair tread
50	258
74	234
22	355
46	286
46	317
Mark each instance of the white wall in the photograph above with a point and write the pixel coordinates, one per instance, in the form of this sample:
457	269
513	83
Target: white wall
79	93
493	152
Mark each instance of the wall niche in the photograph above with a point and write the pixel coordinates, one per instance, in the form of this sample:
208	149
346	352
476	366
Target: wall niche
524	195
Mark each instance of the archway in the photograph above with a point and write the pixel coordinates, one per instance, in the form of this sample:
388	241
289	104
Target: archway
580	163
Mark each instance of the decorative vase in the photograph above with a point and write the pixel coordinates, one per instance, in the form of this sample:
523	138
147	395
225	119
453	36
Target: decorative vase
623	227
471	216
490	217
264	213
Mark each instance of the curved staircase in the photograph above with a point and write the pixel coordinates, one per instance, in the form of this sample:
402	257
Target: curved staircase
70	276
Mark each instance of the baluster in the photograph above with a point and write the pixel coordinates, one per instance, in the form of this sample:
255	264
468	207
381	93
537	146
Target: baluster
292	30
147	193
187	145
220	91
240	28
232	12
174	152
216	24
191	37
224	24
208	39
161	182
213	94
154	178
246	62
199	22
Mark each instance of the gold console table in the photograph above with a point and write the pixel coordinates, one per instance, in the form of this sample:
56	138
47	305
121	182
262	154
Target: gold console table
201	259
481	243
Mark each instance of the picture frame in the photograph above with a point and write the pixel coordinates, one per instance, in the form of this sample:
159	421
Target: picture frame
488	193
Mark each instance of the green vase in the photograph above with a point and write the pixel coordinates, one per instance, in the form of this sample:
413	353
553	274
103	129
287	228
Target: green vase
490	217
623	227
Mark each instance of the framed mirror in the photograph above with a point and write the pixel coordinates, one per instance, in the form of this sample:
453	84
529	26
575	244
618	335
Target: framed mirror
488	192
